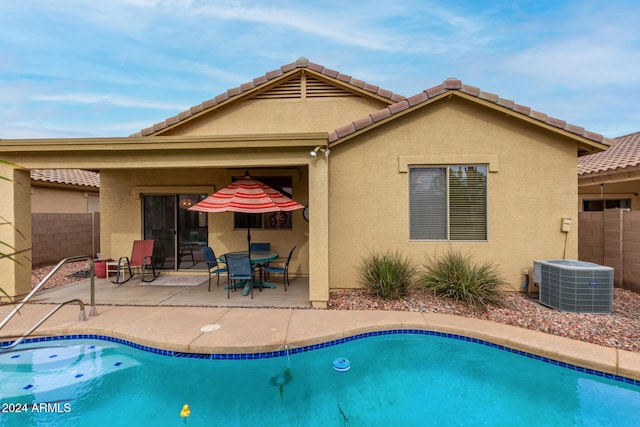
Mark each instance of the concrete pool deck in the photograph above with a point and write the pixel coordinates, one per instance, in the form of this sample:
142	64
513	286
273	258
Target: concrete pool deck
247	330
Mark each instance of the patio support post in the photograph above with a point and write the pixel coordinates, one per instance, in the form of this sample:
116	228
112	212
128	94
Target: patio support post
319	232
15	231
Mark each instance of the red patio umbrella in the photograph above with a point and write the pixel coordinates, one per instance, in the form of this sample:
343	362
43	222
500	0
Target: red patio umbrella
249	196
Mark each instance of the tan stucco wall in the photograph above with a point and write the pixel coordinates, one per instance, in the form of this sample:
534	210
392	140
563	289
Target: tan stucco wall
61	200
121	210
15	231
532	184
280	115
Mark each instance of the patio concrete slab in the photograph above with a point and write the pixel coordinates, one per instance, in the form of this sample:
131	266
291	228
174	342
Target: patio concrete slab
133	293
628	364
246	331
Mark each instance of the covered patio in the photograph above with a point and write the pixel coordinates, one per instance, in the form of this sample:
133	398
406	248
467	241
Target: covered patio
137	172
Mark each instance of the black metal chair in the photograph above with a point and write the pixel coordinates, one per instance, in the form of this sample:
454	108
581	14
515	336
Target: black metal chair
212	265
284	270
239	268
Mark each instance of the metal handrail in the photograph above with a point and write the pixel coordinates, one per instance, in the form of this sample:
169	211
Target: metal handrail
83	317
93	311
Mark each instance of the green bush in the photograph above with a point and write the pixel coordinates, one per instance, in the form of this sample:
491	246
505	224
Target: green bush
387	275
456	276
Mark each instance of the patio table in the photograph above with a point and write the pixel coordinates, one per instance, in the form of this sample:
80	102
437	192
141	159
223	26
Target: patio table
256	258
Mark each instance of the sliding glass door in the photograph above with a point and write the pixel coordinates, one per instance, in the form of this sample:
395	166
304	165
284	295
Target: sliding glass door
179	233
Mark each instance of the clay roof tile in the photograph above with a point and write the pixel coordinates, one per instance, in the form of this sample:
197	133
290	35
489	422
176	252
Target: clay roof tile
77	177
453	84
624	153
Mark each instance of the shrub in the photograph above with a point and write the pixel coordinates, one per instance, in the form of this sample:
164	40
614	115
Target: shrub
456	276
387	275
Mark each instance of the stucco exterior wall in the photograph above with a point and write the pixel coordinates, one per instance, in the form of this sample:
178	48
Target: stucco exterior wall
280	115
60	200
122	210
15	231
531	186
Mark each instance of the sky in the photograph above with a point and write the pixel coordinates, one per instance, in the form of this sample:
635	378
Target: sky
78	68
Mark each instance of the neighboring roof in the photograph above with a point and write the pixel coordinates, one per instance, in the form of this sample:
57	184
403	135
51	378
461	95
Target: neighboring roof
454	85
624	153
302	63
77	177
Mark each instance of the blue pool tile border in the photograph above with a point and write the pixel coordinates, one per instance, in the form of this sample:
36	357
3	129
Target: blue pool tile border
295	350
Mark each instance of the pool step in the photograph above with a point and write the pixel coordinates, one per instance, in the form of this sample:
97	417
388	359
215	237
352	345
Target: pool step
50	374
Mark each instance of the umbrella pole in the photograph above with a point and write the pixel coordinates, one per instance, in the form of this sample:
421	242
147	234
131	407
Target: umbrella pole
249	237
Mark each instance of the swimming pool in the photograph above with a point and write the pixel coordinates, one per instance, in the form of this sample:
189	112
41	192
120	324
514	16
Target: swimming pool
408	377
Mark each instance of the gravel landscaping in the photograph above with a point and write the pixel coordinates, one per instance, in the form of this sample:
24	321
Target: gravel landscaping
621	329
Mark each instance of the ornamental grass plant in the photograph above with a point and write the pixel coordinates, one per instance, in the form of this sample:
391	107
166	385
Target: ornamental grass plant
457	276
388	275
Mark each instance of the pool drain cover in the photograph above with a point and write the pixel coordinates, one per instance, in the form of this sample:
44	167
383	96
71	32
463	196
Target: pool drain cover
210	328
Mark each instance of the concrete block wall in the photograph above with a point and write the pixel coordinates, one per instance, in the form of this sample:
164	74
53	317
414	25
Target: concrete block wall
58	236
591	237
631	250
612	238
612	245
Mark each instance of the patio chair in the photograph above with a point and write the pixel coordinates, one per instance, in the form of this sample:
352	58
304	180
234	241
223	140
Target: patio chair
284	270
141	258
212	265
260	247
239	268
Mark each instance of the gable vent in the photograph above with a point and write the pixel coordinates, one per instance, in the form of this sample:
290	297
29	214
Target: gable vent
320	89
303	87
288	89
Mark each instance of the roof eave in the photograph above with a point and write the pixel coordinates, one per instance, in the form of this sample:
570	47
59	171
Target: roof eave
139	143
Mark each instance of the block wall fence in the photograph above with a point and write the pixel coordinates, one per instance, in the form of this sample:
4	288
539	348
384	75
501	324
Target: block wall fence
57	236
612	238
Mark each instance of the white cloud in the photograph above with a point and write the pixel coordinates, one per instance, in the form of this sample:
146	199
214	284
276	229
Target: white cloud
578	62
104	99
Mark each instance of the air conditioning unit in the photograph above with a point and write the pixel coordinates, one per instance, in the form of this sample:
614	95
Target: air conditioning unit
574	286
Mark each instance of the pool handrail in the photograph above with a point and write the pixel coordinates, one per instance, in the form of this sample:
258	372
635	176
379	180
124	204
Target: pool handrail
82	318
93	312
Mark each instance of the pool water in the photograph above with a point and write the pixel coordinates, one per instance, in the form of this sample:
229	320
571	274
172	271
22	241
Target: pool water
407	379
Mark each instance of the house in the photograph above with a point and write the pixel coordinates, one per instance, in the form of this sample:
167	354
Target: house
64	191
65	220
611	179
450	167
609	205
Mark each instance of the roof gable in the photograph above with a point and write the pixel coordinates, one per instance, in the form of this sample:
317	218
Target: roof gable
594	141
301	79
625	153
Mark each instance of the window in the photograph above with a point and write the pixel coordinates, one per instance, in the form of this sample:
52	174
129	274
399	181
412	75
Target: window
272	220
602	204
448	202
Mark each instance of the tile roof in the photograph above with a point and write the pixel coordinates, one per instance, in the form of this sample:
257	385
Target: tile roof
400	103
78	177
263	80
453	84
624	153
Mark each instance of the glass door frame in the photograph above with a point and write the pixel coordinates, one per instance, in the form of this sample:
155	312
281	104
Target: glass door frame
175	242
